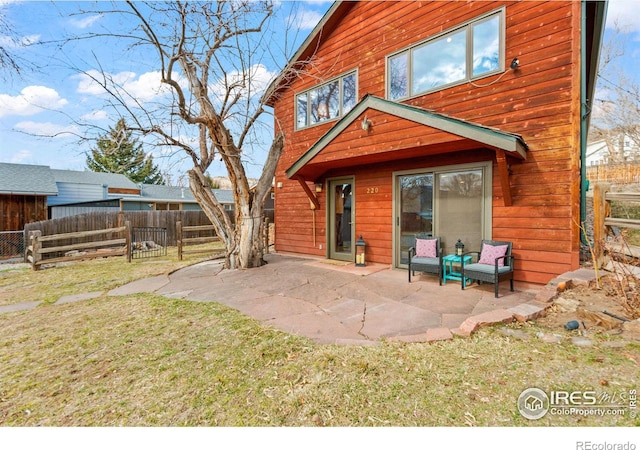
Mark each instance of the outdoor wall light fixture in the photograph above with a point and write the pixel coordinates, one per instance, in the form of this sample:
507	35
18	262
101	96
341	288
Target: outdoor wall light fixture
318	187
366	124
515	63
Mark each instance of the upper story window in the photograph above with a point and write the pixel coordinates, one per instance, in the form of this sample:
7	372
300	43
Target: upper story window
327	101
471	51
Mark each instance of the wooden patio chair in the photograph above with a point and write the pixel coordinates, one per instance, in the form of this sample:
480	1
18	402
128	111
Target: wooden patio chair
494	263
426	256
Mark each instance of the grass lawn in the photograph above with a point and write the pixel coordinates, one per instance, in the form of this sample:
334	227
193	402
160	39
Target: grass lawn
146	360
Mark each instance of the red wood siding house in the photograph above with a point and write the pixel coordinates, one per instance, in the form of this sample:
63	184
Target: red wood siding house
465	120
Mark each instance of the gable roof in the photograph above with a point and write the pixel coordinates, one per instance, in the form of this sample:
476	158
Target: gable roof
333	15
490	137
26	179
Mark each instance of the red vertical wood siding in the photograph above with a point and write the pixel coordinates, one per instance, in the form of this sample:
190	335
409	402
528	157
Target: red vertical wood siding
539	101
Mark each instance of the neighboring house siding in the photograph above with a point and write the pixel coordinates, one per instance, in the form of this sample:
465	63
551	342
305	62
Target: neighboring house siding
58	212
539	101
77	193
19	210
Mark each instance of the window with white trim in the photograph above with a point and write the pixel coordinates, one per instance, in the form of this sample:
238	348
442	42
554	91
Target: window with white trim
471	51
327	101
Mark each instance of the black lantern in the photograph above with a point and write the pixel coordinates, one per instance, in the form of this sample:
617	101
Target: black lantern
459	248
360	245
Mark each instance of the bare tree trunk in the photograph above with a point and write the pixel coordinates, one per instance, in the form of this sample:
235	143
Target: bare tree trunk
243	239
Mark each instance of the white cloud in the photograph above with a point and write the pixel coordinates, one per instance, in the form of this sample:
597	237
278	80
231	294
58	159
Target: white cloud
99	114
47	129
31	100
259	77
21	156
623	13
8	42
305	19
144	87
85	22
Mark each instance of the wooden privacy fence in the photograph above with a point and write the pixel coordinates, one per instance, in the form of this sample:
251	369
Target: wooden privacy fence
623	173
57	248
603	222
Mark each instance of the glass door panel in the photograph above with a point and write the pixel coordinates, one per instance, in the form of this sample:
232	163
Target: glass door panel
459	209
415	211
341	219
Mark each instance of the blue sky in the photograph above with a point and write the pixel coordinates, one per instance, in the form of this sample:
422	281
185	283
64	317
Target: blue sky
49	100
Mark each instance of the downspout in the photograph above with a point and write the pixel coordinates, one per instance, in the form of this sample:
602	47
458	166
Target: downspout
584	113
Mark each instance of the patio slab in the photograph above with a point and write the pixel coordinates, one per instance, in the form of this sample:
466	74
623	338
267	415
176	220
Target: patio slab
340	303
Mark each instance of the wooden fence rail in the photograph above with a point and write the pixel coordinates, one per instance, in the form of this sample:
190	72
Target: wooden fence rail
186	238
603	222
37	251
103	220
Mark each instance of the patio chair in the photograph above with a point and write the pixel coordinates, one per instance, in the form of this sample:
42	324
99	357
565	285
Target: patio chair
426	256
494	263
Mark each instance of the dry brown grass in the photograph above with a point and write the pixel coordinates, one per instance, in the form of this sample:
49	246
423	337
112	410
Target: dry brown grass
50	283
145	360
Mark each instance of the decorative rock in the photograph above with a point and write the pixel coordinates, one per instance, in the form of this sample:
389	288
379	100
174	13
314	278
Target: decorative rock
439	334
550	338
581	341
566	304
527	311
547	294
518	334
489	318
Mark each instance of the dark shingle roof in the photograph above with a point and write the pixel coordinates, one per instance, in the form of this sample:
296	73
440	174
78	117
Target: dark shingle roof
26	179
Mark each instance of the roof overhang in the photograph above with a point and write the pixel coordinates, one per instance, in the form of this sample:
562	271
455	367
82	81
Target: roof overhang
464	134
459	135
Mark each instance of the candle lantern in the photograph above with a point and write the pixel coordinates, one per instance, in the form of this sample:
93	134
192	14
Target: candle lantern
459	248
360	245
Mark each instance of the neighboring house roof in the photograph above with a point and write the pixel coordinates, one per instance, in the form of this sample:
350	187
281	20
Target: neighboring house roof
113	180
26	180
224	196
176	194
490	137
167	193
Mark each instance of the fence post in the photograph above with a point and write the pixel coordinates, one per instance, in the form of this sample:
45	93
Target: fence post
35	247
127	233
179	238
600	213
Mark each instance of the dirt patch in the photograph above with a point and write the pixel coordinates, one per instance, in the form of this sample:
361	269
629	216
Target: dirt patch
609	306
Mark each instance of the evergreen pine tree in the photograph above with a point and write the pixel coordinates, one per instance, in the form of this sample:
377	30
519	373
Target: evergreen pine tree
118	152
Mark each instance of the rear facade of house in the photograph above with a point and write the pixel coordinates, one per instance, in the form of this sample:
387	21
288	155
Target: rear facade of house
464	120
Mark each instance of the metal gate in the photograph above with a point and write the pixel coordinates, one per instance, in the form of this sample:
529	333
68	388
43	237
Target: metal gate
148	242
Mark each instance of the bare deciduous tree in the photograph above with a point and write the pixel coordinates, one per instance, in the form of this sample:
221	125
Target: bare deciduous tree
209	58
616	118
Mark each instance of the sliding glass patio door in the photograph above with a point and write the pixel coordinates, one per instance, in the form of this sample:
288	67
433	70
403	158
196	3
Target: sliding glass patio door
453	203
459	209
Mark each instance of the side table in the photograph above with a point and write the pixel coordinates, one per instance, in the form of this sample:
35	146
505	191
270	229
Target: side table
448	272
